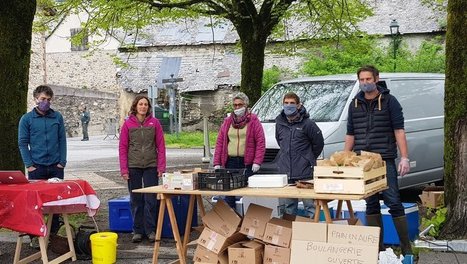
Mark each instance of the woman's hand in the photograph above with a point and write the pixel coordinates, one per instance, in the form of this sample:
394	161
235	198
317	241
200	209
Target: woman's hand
125	176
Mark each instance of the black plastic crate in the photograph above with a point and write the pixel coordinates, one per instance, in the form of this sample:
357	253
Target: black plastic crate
222	179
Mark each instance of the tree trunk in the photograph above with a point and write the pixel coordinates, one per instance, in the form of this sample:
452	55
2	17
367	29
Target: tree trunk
455	124
253	41
16	18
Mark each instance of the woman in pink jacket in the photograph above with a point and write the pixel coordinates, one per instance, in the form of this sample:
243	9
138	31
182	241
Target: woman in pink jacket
142	162
240	143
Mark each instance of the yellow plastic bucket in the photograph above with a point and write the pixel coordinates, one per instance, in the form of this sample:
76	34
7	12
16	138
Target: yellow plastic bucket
104	247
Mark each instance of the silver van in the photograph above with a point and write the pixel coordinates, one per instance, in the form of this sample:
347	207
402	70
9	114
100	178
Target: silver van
327	99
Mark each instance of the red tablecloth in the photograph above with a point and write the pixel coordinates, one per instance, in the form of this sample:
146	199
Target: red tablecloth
22	206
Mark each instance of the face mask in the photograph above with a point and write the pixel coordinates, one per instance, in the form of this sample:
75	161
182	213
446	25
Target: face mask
368	87
290	109
43	106
240	111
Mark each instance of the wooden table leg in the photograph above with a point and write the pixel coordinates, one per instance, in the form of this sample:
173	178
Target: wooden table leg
69	237
199	199
339	209
173	222
317	210
189	220
160	222
349	207
327	214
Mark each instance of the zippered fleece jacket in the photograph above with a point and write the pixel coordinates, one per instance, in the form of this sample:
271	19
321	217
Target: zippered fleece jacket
255	145
42	138
142	145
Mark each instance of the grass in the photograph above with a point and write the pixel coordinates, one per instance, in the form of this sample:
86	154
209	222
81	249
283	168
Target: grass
189	139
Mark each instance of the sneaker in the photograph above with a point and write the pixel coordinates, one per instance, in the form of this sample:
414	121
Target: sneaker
34	242
152	237
137	238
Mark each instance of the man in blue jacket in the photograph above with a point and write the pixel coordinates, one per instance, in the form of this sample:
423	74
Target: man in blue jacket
301	142
42	140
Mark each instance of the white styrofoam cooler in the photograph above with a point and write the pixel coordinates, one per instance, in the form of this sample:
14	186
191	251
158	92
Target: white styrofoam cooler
267	180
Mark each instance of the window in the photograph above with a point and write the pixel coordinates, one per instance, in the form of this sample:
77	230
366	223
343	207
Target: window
419	98
83	44
324	100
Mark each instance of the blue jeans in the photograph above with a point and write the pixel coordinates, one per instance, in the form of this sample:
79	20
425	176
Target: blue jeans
144	207
291	206
43	172
391	195
236	163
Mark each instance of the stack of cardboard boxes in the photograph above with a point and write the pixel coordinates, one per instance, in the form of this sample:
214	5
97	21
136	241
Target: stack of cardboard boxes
292	239
334	243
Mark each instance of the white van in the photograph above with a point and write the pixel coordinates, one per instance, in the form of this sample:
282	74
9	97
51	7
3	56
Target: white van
327	99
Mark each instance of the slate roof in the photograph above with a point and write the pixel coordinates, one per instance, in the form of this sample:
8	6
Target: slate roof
412	16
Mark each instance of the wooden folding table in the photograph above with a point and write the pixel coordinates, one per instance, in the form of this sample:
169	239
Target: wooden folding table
321	201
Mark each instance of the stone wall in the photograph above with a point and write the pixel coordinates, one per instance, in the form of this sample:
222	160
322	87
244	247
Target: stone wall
84	70
101	106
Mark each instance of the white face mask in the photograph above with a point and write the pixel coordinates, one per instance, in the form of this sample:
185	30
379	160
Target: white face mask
240	111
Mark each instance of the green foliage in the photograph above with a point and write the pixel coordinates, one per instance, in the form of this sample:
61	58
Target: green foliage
270	77
189	139
354	52
437	217
344	57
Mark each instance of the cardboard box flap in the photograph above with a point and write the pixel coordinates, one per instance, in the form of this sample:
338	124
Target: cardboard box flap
258	211
222	219
309	231
255	220
355	235
252	244
297	218
280	222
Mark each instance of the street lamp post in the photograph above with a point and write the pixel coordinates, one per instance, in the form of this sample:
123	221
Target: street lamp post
395	34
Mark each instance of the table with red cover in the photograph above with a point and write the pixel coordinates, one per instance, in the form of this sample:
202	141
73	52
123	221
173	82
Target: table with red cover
23	206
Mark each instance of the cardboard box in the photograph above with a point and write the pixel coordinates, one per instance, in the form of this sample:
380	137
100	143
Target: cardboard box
341	244
297	218
305	252
181	180
216	242
433	197
255	220
246	252
278	232
348	180
309	231
222	219
276	255
353	235
203	255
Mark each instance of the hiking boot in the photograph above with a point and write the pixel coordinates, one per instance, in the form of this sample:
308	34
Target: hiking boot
152	237
137	238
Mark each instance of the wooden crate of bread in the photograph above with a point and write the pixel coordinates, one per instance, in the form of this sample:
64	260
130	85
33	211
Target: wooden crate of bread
349	179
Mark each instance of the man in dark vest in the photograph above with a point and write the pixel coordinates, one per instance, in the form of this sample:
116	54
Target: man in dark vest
376	123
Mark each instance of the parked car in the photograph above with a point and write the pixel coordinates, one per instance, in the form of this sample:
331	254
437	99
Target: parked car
327	99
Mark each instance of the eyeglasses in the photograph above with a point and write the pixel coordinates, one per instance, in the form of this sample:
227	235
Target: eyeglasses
238	105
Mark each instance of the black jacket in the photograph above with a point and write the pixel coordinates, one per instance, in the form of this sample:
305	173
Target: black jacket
372	123
300	144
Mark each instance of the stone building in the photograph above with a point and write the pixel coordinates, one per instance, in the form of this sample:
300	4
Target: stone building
207	58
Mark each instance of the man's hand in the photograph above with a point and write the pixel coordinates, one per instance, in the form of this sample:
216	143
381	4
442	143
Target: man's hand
255	168
125	176
60	166
404	166
31	168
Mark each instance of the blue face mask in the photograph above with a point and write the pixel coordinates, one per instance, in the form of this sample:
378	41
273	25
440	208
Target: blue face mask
290	109
368	87
43	105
